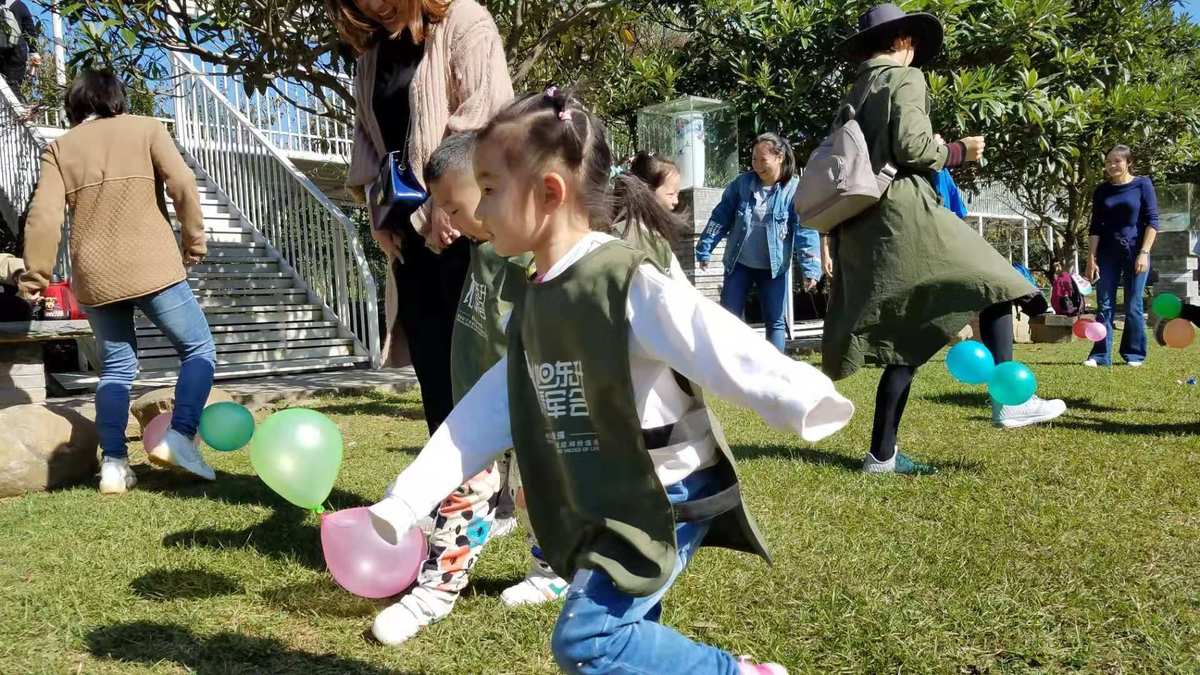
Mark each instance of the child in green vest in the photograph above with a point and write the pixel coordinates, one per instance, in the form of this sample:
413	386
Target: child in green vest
626	473
655	239
472	514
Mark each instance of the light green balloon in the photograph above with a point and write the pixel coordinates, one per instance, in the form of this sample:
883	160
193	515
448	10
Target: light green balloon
298	453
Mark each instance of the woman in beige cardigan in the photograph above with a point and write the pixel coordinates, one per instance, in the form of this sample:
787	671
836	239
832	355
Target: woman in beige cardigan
110	170
426	69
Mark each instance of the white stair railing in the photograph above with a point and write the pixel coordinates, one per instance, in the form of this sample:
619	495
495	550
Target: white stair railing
20	166
288	118
20	152
312	235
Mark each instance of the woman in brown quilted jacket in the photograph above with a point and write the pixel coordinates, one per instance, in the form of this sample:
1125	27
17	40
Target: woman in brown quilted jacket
110	170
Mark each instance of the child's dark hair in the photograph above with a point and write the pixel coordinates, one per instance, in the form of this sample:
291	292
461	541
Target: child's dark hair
780	145
556	126
652	169
453	154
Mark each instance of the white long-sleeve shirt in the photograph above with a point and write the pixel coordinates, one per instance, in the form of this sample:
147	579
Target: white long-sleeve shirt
672	327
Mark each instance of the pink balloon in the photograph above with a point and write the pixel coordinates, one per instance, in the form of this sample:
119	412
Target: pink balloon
153	434
364	563
1095	331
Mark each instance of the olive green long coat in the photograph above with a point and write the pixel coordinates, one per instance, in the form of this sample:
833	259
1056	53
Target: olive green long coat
907	273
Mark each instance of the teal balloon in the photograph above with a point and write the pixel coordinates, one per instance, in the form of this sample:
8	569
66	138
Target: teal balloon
226	426
1166	306
1012	383
298	453
970	362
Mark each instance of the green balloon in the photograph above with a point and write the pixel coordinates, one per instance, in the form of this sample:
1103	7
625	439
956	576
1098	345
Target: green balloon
297	453
226	426
1167	306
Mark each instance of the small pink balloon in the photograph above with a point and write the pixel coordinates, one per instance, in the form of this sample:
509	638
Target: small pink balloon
1095	331
155	430
364	563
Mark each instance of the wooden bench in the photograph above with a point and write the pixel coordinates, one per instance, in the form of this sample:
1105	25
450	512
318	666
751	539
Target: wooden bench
22	372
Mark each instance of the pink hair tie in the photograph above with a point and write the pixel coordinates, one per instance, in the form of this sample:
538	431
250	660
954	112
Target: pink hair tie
552	91
565	116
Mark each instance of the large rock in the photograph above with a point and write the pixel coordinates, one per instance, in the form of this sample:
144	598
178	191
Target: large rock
159	401
43	448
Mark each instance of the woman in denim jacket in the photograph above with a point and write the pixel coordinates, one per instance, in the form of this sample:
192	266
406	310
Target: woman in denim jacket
756	214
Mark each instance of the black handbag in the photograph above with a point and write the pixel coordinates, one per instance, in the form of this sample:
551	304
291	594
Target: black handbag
397	194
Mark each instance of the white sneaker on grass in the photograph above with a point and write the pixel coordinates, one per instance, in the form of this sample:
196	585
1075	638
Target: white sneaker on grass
396	624
116	476
178	451
1091	363
538	586
1033	411
1134	364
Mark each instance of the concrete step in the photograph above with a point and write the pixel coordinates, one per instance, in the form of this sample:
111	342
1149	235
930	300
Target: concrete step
210	283
266	356
251	335
209	207
243	292
292	299
77	382
223	267
225	349
193	275
253	331
225	316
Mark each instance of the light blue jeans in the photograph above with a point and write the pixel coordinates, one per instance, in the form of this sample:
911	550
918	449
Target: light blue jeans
177	314
604	630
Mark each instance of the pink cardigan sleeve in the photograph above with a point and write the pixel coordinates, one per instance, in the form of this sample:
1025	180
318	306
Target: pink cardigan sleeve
480	71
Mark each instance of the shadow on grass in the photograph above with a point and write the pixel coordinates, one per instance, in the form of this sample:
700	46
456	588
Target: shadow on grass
189	584
807	455
851	464
288	534
981	401
1126	428
321	598
152	644
375	403
490	587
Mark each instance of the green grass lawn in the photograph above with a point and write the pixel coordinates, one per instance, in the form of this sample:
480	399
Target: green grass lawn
1069	547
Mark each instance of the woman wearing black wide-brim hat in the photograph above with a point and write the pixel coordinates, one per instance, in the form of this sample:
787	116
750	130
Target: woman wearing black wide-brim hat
907	273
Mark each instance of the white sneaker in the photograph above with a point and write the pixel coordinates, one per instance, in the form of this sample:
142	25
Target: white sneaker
1134	364
1033	411
178	451
116	476
1091	363
502	527
396	624
536	588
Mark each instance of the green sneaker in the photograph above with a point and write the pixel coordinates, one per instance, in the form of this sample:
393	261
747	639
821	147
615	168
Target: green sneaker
899	464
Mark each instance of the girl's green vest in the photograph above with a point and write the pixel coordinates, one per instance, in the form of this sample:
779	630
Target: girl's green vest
593	496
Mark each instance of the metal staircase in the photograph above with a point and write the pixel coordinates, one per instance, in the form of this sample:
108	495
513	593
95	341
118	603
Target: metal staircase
286	287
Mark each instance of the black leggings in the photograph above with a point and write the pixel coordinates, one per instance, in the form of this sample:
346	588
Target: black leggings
996	330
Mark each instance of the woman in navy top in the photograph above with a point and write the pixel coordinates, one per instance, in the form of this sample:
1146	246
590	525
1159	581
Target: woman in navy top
1124	225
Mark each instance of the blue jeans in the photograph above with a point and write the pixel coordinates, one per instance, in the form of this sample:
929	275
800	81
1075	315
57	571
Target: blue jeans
1115	269
177	314
603	630
772	297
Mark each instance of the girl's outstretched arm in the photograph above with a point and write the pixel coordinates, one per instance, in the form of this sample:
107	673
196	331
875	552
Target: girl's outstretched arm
673	323
475	432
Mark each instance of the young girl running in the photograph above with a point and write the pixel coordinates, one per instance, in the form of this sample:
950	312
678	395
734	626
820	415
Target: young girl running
659	226
625	475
